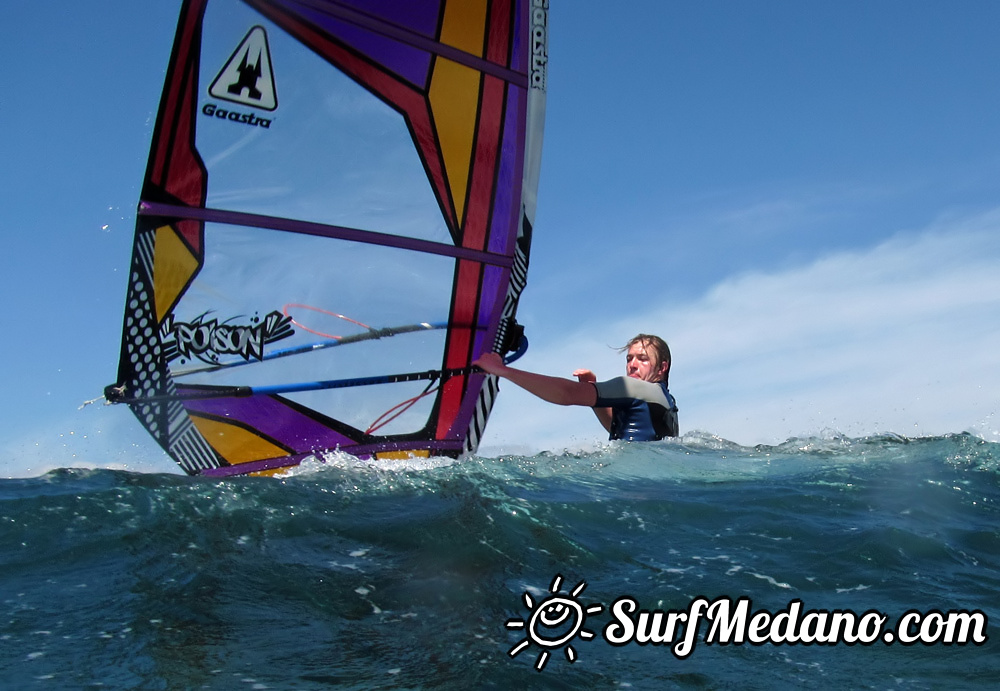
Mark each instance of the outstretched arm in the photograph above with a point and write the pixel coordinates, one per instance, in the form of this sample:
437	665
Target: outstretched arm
552	389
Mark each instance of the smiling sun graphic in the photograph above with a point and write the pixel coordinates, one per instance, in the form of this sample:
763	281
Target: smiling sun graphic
554	622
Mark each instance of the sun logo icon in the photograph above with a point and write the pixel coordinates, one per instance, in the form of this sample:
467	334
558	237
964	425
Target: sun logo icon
554	622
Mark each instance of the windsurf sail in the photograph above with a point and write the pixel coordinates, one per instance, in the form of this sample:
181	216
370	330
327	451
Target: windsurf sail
334	223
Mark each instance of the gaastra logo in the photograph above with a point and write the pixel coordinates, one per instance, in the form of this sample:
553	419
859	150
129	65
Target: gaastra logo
206	340
539	43
247	78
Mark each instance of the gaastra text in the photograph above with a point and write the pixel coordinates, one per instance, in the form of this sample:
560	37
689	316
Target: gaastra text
212	110
539	43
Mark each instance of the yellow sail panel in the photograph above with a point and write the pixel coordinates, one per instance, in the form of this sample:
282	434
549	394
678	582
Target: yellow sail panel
402	455
454	93
234	443
173	266
454	96
464	26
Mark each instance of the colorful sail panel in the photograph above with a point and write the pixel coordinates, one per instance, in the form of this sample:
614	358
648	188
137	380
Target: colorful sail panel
334	223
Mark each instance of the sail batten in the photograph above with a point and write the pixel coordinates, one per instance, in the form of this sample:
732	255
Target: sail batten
308	228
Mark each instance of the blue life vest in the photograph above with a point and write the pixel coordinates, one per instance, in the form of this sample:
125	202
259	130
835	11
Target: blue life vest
641	410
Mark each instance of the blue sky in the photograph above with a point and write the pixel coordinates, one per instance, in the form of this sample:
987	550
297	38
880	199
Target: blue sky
802	198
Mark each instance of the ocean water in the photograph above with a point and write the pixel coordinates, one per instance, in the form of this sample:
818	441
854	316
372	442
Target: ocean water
347	575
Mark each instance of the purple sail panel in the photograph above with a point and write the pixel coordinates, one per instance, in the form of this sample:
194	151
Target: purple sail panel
358	29
274	419
507	212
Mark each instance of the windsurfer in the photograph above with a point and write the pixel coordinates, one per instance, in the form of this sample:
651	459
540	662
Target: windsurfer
636	407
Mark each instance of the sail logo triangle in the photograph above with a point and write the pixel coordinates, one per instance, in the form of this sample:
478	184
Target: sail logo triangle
247	77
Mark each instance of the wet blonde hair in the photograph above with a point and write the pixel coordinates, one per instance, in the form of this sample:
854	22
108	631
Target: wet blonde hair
659	348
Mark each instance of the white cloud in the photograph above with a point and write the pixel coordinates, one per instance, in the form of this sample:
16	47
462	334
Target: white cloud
903	337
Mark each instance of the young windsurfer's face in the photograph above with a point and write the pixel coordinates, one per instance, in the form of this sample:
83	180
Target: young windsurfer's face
641	363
